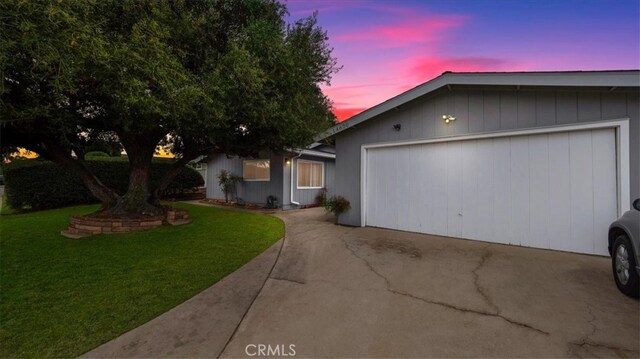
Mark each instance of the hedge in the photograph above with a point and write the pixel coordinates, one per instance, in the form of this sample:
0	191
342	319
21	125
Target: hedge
37	184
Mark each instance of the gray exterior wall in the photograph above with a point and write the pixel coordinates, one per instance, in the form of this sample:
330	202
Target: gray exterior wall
250	191
279	185
308	196
482	111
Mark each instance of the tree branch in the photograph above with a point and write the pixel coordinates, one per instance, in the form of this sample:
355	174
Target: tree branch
63	157
171	175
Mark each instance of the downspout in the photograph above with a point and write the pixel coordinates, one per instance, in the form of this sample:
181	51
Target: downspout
291	183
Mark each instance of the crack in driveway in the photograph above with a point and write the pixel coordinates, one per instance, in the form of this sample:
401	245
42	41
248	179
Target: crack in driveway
586	340
438	303
479	289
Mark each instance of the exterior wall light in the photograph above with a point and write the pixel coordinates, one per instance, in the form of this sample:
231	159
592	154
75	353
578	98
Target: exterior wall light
448	119
287	161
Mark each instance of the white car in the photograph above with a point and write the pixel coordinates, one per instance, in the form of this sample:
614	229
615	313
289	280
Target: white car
624	247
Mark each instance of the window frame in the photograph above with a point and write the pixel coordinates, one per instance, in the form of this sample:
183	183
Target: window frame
298	174
256	180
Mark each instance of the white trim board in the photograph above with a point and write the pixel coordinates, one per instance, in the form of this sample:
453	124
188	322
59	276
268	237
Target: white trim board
620	125
318	154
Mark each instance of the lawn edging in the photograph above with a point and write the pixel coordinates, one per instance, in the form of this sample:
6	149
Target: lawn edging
89	225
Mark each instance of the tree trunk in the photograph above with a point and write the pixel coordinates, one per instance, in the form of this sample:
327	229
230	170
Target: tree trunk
136	201
175	169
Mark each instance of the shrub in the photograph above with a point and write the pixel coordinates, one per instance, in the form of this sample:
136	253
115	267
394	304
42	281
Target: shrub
337	205
38	184
94	154
228	182
321	197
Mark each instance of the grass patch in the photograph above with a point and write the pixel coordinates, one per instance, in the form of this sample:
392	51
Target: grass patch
5	209
61	297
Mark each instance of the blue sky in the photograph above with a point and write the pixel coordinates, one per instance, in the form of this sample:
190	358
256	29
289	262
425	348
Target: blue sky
387	47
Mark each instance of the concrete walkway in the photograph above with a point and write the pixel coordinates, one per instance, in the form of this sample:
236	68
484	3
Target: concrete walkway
201	326
364	292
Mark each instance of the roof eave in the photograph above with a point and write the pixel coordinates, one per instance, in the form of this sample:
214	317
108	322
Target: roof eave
626	78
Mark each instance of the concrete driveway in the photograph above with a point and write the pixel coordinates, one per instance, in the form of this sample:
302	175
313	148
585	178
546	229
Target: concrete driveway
365	292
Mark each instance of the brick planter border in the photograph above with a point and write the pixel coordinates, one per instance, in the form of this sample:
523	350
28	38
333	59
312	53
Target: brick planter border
85	226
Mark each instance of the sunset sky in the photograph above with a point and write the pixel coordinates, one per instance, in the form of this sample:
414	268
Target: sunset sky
387	47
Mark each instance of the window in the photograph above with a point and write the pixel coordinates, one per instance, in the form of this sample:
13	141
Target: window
256	170
310	174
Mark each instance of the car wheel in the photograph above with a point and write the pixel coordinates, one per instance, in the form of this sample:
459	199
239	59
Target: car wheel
623	260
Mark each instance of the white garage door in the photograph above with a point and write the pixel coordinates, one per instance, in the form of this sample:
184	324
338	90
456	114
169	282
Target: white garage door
555	191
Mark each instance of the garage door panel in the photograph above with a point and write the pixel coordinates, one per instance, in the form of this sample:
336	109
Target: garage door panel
581	155
406	185
482	209
538	192
412	186
519	190
391	212
559	225
546	191
454	189
605	188
501	190
372	187
470	193
425	191
437	220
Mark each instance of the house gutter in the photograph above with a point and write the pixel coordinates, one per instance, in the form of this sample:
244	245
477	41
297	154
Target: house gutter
291	183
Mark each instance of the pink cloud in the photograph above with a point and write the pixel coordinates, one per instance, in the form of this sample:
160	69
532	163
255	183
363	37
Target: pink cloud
423	68
358	96
400	76
345	113
409	32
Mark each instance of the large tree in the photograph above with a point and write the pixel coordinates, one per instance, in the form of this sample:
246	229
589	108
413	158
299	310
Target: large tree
194	75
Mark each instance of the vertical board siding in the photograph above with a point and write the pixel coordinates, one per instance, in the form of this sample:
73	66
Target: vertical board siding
589	106
249	191
278	186
491	111
566	107
461	113
476	112
526	109
508	110
613	105
545	109
633	111
428	117
486	111
441	109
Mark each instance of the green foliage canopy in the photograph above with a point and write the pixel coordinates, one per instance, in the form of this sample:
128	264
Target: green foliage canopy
194	76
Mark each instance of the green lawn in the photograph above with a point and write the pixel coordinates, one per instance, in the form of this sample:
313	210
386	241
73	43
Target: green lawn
61	297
